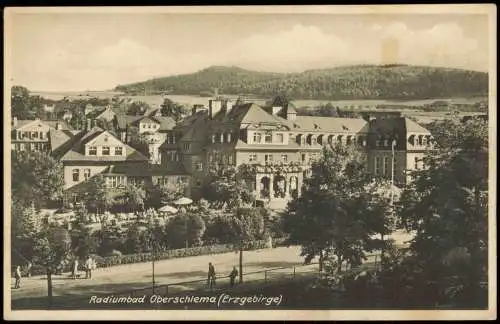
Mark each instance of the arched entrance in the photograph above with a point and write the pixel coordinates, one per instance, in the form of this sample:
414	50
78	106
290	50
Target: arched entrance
293	187
279	186
264	187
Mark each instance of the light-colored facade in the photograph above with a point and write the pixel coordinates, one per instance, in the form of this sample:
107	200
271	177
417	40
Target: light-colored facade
282	145
40	135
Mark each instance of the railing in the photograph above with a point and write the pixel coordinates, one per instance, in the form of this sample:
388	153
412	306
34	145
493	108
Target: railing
296	272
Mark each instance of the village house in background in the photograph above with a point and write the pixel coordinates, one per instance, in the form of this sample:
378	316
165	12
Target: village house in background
50	136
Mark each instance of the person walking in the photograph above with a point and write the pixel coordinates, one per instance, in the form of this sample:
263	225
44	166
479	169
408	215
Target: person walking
233	275
211	275
17	275
75	269
28	269
88	268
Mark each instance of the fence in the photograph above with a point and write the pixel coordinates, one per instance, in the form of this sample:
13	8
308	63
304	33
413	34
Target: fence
272	275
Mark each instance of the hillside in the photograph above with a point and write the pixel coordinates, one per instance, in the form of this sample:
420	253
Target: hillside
342	83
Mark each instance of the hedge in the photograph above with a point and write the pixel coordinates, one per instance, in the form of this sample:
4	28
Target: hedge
109	261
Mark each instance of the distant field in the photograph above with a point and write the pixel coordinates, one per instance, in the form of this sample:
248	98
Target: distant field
191	100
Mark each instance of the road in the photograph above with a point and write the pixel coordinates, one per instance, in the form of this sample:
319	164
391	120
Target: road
128	277
139	275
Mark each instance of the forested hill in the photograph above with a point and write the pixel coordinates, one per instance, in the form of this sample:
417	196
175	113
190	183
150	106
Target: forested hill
341	83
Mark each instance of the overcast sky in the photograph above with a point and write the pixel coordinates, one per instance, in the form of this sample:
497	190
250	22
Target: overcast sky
59	52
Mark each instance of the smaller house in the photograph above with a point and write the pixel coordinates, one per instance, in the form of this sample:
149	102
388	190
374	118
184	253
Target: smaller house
40	135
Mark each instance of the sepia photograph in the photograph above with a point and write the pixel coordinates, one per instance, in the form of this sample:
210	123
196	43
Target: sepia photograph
250	162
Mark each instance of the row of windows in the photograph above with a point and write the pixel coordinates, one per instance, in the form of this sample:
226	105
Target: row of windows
170	139
173	156
76	174
267	157
310	139
106	150
221	157
268	137
30	147
31	135
149	126
116	181
221	138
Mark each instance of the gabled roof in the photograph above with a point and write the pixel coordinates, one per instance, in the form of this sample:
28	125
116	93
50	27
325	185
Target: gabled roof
328	124
148	120
166	123
60	141
413	127
51	123
77	151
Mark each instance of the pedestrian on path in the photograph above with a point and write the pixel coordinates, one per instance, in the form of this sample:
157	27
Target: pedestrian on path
211	275
17	274
232	276
75	269
88	268
28	269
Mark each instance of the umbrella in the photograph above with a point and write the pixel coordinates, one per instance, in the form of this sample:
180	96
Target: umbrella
168	209
183	201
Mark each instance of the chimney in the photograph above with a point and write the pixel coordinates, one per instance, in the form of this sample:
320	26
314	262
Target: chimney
216	93
214	106
14	122
89	124
229	106
58	126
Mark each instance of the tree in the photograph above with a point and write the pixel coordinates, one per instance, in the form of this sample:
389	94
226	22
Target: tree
97	197
83	242
110	238
185	230
52	247
229	186
446	206
135	196
281	100
172	109
331	215
247	226
20	103
137	108
158	195
36	178
26	223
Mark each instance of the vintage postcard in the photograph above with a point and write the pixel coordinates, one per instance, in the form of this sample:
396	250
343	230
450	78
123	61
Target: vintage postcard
250	162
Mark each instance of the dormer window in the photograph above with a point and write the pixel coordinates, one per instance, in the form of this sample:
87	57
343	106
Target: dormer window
279	137
268	138
106	150
257	137
93	150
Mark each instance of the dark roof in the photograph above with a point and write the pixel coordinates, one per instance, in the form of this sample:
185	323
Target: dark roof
77	152
400	126
328	124
60	141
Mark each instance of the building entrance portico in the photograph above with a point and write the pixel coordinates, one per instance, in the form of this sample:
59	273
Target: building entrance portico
278	182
